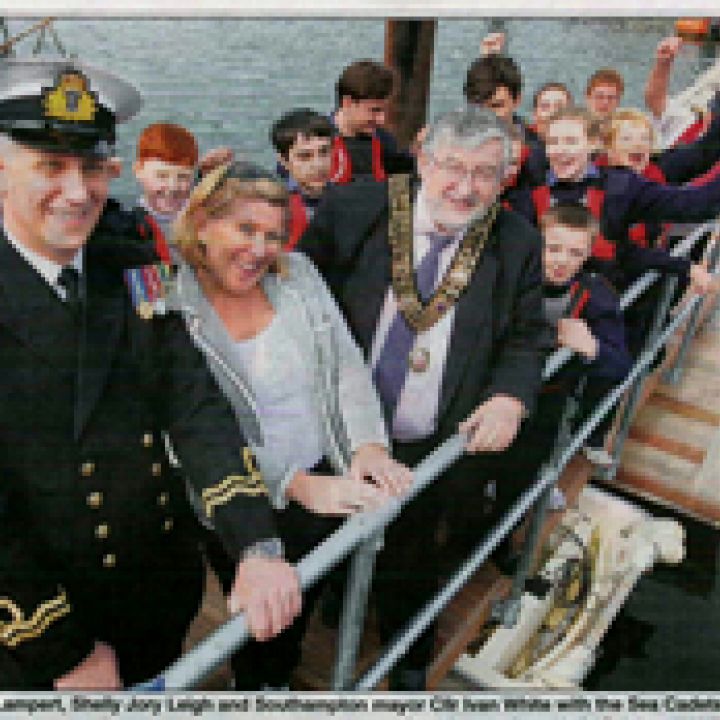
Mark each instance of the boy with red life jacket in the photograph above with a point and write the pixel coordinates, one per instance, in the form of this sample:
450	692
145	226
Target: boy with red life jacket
362	146
303	143
167	156
585	312
618	198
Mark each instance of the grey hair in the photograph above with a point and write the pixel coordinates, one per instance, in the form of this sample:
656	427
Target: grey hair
469	127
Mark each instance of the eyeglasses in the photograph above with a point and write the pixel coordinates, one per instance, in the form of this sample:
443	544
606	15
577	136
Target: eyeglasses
456	171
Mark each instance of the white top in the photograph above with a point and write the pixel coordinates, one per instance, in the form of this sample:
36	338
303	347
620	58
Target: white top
283	391
416	411
48	269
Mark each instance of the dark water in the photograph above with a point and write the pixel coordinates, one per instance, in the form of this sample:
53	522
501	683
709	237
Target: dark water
667	636
228	79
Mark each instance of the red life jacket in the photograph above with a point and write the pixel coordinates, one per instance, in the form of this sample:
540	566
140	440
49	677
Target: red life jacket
578	305
638	233
692	133
298	220
341	166
602	248
147	228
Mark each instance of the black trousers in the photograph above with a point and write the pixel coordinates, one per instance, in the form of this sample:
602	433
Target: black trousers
271	663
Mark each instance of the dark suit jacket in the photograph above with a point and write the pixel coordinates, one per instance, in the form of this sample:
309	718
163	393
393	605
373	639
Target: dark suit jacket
88	504
497	331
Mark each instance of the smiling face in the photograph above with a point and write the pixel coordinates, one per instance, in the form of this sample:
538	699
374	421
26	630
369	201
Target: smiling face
548	103
166	186
568	148
308	163
630	145
565	250
52	201
238	248
459	183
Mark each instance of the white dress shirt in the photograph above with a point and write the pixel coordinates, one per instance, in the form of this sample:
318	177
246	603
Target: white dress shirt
416	410
48	269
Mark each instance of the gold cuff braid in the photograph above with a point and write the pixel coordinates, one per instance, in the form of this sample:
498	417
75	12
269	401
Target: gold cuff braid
250	484
18	629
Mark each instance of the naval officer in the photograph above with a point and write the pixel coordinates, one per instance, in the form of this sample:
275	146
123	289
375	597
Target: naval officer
100	572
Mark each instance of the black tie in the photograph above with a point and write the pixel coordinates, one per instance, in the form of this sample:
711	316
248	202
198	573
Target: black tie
69	279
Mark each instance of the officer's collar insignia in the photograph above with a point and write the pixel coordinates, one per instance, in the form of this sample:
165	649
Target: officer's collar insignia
70	99
149	288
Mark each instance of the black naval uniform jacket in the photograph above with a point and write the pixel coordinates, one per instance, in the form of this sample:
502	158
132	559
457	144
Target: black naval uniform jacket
496	341
88	505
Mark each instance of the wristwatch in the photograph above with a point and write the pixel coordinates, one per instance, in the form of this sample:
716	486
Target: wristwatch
268	548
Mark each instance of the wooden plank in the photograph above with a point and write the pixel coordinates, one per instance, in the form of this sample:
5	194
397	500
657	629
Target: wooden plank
468	625
669	445
685	409
657	420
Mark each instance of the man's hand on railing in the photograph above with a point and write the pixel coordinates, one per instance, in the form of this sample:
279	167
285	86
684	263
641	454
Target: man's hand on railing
701	281
493	425
267	590
98	671
373	461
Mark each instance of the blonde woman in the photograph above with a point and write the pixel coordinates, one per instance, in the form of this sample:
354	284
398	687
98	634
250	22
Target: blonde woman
280	349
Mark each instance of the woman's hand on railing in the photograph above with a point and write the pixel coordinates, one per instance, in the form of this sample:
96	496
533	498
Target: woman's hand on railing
373	461
335	494
268	591
493	425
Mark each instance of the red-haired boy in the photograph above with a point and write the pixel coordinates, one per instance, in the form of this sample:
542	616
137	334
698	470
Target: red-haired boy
167	156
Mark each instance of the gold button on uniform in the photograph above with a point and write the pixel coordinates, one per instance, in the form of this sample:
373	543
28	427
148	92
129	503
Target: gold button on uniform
102	531
95	499
147	440
168	525
109	560
163	499
87	469
156	469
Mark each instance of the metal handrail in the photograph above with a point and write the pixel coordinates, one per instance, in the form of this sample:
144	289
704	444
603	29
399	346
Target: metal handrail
547	478
191	668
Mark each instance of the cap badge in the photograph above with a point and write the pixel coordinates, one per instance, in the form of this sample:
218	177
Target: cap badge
70	99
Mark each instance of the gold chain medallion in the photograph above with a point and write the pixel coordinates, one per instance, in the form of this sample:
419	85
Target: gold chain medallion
421	316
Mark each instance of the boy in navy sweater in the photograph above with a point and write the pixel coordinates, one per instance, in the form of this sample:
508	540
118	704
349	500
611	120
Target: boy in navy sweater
584	308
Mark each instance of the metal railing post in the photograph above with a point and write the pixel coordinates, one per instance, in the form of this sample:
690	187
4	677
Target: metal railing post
357	592
508	611
674	373
635	391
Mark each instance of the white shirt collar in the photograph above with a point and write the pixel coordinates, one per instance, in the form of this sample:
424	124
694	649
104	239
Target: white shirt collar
48	269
